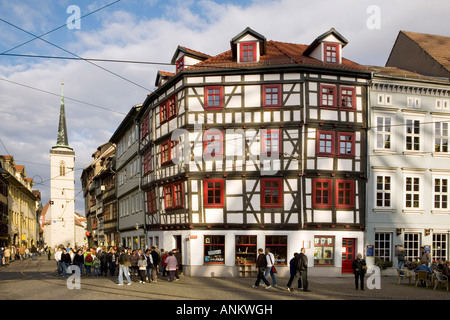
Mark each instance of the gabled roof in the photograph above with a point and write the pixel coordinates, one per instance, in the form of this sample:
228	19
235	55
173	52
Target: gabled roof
438	47
189	52
320	38
163	75
252	32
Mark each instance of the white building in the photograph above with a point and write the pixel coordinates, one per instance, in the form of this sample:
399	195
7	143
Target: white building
61	220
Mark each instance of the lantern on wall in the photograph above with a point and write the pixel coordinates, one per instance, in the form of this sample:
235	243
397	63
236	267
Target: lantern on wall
427	232
399	231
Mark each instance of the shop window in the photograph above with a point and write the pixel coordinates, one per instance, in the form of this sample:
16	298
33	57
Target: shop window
214	249
323	250
246	251
278	246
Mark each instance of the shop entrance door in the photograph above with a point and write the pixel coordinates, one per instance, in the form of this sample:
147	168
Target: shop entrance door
348	254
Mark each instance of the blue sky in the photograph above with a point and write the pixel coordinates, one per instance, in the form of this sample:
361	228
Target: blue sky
151	30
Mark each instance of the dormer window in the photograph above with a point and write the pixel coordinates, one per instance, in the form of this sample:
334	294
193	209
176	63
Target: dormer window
180	64
331	53
248	51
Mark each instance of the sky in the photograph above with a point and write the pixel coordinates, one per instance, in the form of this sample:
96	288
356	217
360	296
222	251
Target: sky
99	94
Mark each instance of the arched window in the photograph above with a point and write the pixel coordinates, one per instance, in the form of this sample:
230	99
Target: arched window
62	168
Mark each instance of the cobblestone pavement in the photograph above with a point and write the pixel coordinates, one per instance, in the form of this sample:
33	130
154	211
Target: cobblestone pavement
38	280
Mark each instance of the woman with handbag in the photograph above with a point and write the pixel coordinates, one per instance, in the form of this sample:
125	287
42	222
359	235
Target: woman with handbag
270	267
359	270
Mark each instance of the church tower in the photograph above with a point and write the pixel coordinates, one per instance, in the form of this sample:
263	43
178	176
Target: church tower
61	229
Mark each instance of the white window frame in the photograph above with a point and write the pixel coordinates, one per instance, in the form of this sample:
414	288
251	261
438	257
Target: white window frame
384	133
389	175
437	174
414	117
441	120
413	175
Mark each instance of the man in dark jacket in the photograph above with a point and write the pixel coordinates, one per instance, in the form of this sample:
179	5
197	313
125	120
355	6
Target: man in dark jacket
66	261
156	260
301	265
261	264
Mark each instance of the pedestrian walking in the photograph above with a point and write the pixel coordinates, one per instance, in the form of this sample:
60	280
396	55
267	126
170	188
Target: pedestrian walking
149	259
359	270
96	265
400	254
301	265
177	254
103	257
134	269
58	254
172	265
124	267
270	269
88	262
156	258
293	273
112	261
7	255
142	266
261	264
66	261
78	260
164	264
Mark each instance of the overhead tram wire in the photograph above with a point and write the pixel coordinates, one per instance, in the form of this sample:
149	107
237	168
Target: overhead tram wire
73	54
65	97
62	26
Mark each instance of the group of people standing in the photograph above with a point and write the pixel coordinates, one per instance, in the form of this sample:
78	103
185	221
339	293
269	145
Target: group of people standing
11	253
265	265
133	264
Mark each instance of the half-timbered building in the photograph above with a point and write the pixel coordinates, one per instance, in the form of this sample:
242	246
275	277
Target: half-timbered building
261	146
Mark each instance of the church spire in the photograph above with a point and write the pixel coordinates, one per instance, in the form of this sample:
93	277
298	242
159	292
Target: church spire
62	140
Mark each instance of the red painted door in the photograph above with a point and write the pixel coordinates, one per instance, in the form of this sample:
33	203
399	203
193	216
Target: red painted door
348	255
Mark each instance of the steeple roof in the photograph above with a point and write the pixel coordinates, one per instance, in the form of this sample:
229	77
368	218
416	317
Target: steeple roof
62	140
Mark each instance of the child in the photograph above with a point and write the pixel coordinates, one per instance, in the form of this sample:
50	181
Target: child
142	264
96	265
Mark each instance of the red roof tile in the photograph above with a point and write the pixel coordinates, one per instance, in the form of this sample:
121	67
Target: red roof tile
277	53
